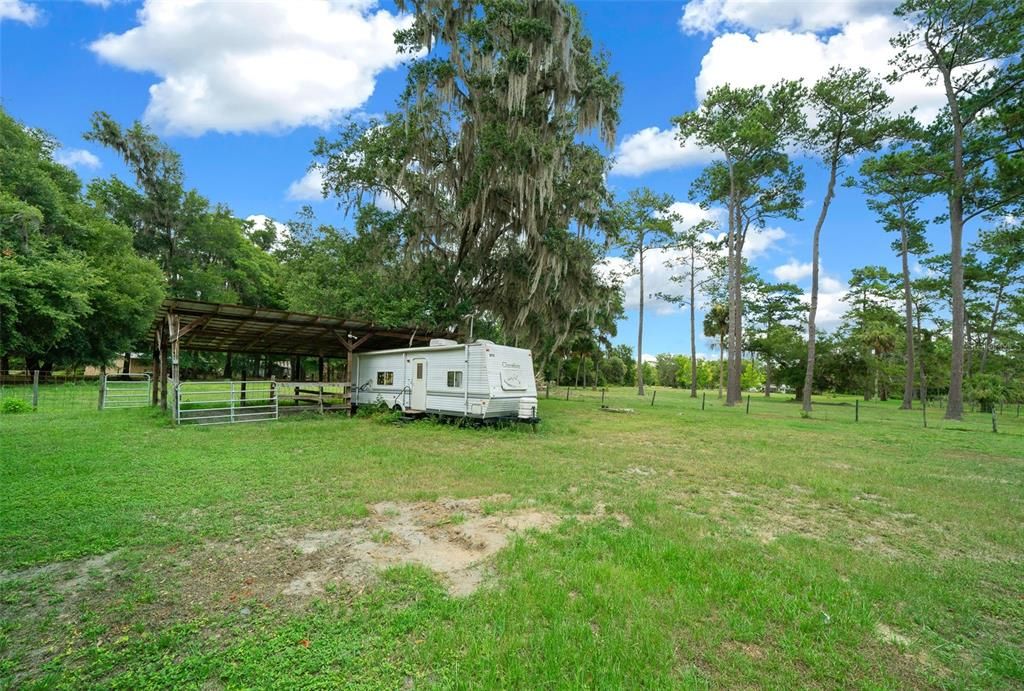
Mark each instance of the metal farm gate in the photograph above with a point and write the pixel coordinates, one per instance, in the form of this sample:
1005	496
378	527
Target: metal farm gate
125	391
224	402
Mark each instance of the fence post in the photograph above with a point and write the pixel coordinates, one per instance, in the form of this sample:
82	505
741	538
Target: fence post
567	389
653	396
231	399
924	411
103	389
994	430
35	389
703	397
748	404
856	410
602	397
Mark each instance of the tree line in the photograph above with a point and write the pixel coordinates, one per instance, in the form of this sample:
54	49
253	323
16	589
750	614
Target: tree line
971	154
481	199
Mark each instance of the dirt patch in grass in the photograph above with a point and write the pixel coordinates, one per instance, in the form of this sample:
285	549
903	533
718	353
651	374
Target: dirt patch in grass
866	522
66	576
454	538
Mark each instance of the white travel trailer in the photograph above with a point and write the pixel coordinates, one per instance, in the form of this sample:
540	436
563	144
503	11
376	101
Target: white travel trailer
479	380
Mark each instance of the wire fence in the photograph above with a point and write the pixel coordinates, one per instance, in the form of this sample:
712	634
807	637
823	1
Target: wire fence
60	391
1006	417
51	391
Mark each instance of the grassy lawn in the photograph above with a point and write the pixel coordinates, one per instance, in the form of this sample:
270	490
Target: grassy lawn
670	546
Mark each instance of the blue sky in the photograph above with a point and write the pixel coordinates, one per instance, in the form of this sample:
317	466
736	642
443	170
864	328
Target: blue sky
242	90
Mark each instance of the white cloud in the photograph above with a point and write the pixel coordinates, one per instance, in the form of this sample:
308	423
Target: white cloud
653	149
19	11
283	231
692	214
792	271
831	285
831	307
77	158
255	66
744	61
660	265
648	358
760	240
309	187
705	16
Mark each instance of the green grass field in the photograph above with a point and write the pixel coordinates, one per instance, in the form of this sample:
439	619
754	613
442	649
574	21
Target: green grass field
670	547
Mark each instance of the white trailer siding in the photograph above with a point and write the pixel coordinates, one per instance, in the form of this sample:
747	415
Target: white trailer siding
474	380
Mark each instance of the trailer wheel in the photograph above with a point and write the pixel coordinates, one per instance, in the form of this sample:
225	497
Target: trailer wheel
397	408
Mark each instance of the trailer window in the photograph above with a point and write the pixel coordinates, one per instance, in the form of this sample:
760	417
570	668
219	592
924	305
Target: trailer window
454	379
385	378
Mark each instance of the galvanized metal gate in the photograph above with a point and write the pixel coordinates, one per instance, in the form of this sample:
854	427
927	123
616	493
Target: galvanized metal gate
224	402
125	391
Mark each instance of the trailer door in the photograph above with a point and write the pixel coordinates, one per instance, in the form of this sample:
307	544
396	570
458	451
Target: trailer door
419	384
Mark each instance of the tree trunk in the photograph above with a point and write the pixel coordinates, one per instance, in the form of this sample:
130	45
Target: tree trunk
735	268
813	313
955	402
693	333
126	366
908	306
767	378
640	328
991	329
721	369
228	370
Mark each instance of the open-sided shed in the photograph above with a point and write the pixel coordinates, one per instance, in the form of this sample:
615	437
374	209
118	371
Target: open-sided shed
216	327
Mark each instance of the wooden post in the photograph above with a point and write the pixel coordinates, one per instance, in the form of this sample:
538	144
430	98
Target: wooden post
653	396
567	390
321	376
103	387
35	389
245	376
174	327
748	404
164	369
703	397
994	430
602	397
156	369
924	411
856	410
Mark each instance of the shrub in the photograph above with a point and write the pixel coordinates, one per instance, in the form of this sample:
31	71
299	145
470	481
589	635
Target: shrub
14	405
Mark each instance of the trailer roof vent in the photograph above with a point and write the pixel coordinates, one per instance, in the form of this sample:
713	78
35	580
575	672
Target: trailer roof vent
442	342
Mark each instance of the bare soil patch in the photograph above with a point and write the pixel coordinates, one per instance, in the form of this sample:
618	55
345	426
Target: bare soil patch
454	538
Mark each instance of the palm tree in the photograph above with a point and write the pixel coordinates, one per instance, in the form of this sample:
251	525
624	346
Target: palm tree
716	325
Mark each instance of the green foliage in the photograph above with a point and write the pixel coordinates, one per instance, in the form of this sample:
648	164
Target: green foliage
490	184
71	288
614	370
205	252
14	405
